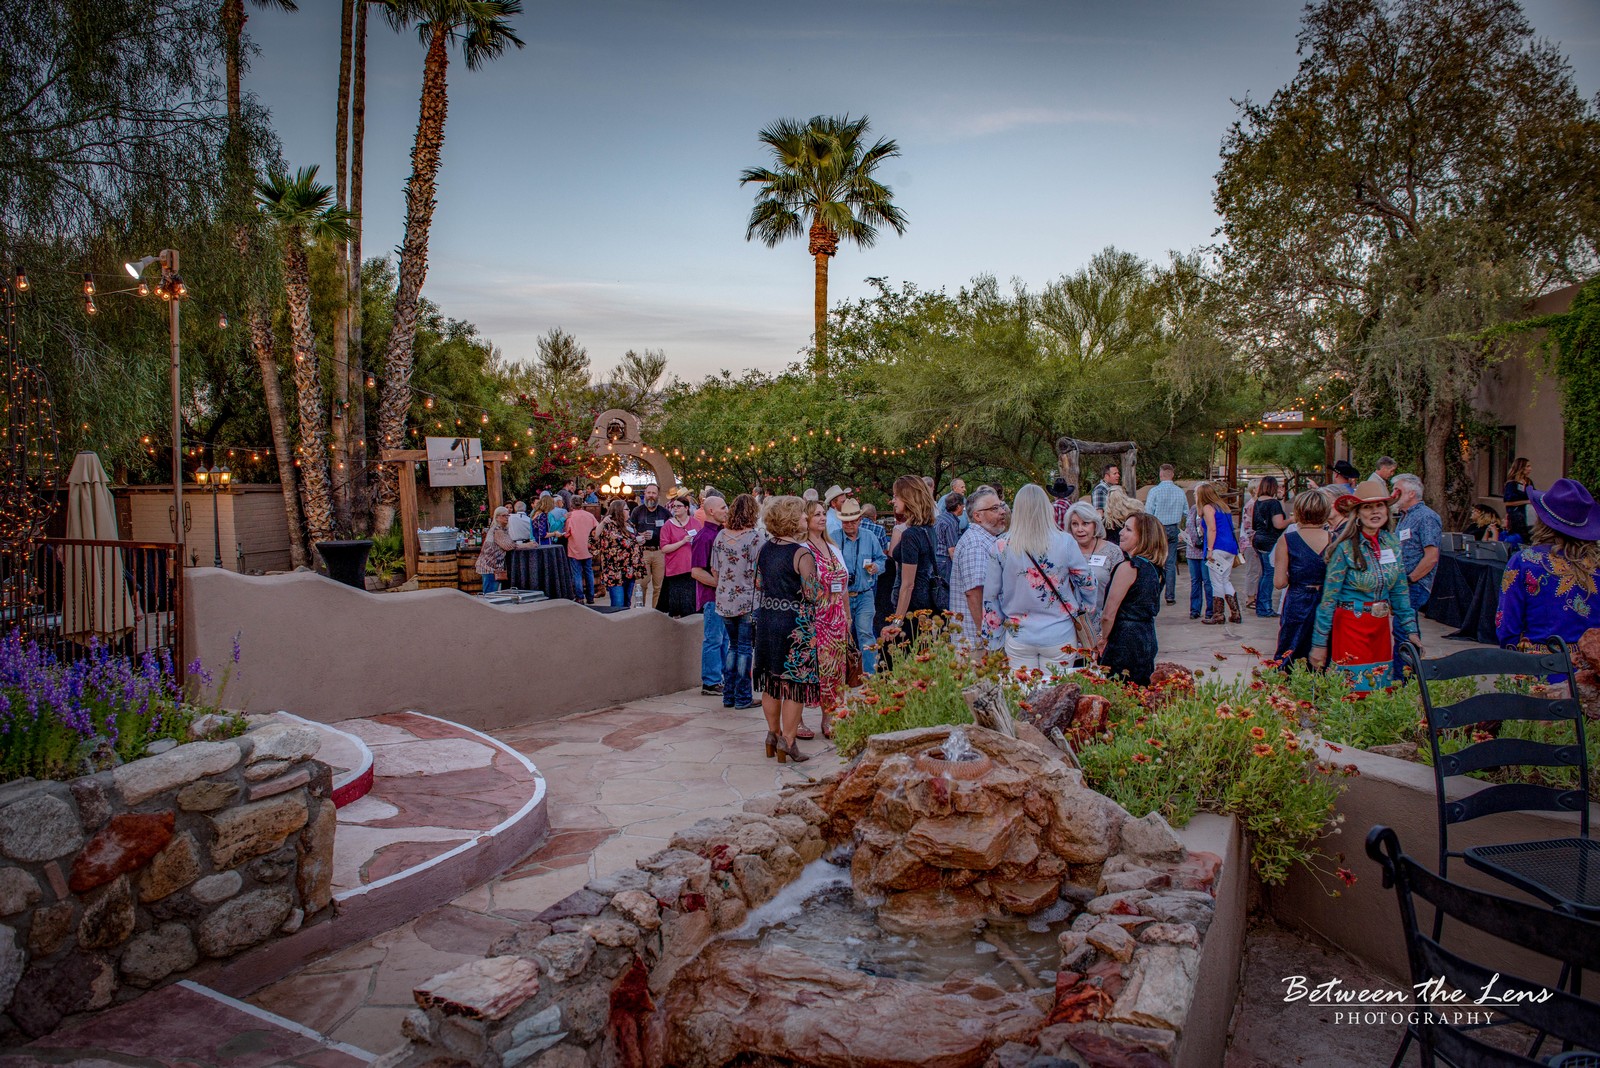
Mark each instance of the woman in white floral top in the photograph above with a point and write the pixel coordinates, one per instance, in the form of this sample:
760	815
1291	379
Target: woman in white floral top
733	566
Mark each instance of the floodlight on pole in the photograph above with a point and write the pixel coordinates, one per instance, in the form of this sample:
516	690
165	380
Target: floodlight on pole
136	268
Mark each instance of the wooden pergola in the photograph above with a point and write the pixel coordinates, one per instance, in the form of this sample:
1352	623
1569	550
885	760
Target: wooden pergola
407	459
1286	426
1071	451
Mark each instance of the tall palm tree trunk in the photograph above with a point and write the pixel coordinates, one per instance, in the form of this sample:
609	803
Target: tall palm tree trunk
341	336
397	363
314	481
261	340
357	415
823	244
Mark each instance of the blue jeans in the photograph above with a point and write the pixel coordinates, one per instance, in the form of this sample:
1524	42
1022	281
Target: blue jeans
713	647
583	579
490	584
862	607
1418	599
1171	574
1264	590
1199	580
736	658
621	596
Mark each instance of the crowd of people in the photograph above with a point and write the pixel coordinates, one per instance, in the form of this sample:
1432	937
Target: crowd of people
800	596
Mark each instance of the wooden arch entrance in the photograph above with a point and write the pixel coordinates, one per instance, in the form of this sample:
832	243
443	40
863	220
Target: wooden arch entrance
617	433
1072	450
1330	435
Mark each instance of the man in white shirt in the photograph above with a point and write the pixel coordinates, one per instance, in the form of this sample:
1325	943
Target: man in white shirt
519	526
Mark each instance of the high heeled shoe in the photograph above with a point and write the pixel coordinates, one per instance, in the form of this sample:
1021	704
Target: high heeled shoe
804	733
791	751
772	744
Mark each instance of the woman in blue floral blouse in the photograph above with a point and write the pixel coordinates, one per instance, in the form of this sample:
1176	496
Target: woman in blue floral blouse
1365	587
1549	587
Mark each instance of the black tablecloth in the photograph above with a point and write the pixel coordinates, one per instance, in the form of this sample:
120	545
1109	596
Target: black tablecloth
543	567
1466	595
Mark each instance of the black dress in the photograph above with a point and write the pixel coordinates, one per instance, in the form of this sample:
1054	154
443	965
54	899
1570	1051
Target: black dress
1131	646
1297	617
1516	498
785	642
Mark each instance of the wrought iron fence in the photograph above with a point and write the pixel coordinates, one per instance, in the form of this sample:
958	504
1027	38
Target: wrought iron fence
126	594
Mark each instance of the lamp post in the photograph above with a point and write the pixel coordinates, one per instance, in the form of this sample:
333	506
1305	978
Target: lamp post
216	480
172	290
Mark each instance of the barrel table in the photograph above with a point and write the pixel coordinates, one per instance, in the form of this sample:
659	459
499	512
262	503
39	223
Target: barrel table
467	576
437	571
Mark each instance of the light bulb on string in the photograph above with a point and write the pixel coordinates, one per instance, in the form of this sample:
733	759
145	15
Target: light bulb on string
88	284
144	289
20	281
427	402
222	320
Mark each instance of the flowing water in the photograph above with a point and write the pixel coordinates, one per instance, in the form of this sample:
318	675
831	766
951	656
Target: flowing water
817	915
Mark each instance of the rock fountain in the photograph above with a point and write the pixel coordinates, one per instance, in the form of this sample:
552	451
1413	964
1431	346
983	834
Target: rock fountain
954	898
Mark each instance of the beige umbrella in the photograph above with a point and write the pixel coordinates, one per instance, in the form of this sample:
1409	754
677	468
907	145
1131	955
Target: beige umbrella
96	601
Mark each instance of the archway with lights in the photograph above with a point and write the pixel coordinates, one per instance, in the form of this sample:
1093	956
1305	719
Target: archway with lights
617	436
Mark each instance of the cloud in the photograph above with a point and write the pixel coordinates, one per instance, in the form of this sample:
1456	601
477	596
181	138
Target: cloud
699	336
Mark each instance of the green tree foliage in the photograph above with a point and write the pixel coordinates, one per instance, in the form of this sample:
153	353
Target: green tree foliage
1296	455
1429	168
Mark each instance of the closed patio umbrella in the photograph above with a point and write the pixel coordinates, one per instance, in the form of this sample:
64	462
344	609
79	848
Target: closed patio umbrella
96	601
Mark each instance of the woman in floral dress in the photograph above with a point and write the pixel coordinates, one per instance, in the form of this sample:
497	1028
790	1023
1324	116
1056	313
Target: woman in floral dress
1366	600
831	625
618	556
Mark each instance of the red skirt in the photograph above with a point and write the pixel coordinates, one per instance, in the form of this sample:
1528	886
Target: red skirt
1362	647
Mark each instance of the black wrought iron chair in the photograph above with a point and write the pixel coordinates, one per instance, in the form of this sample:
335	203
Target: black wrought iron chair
1572	941
1563	872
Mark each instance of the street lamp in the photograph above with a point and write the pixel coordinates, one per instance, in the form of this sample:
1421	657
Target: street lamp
216	480
172	290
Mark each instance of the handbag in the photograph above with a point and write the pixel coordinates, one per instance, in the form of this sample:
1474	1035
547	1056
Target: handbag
1080	625
853	674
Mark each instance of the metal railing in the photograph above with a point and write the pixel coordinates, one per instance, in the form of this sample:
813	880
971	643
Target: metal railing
128	594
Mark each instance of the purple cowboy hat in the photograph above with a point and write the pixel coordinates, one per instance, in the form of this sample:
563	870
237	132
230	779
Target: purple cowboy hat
1567	508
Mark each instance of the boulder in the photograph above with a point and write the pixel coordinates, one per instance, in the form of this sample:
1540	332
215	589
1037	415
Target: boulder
93	801
207	796
314	877
218	887
12	960
937	913
288	742
174	868
126	844
39	827
1085	827
50	928
1150	837
1026	896
566	954
975	841
1112	939
108	916
487	989
251	830
154	955
51	990
244	921
18	891
639	907
1160	989
140	780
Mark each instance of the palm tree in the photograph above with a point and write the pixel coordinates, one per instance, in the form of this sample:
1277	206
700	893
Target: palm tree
241	178
822	183
483	31
302	210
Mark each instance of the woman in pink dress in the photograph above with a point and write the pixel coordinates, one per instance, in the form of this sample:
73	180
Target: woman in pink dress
832	622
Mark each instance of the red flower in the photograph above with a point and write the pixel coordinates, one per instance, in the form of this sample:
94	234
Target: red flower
1258	685
1141	758
1346	876
1258	733
1153	741
1261	750
921	684
1220	656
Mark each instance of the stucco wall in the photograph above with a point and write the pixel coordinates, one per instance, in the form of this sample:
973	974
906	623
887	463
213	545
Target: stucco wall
330	652
1205	1031
1364	919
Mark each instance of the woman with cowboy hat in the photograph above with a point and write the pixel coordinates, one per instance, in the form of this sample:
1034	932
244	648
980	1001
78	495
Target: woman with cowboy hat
1365	586
1549	587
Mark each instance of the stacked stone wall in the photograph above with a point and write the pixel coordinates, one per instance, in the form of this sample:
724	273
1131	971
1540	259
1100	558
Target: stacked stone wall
117	882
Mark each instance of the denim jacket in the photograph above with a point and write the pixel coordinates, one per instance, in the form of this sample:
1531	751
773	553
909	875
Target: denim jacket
865	549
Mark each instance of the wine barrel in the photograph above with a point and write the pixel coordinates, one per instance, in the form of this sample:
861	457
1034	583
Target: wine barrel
436	571
467	576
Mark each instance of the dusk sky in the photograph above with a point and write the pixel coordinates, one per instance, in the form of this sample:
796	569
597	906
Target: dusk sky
590	180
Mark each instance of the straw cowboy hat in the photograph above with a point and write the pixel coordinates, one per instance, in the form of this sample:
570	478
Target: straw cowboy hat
833	491
1567	508
850	510
1372	491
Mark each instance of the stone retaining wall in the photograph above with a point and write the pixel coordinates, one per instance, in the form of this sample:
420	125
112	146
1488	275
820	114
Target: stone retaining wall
590	982
116	882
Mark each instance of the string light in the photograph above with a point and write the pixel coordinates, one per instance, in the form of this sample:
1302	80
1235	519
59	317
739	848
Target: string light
88	284
222	320
21	280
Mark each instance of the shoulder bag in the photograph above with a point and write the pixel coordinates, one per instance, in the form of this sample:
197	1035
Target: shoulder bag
1080	625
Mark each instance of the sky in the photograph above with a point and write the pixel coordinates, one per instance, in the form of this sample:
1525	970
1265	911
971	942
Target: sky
590	179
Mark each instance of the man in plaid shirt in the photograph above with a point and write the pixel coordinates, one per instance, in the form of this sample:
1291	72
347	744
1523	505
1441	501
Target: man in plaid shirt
1110	475
989	521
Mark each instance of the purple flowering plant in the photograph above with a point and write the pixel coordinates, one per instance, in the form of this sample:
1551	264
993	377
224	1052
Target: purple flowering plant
60	719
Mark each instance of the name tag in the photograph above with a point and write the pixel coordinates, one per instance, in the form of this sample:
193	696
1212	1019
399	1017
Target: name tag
1097	561
1405	535
660	523
838	587
1386	556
